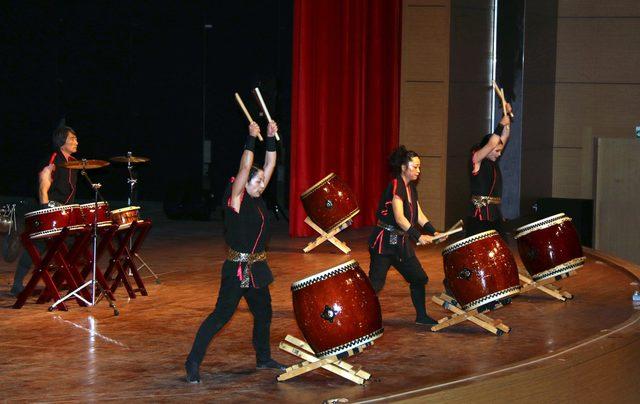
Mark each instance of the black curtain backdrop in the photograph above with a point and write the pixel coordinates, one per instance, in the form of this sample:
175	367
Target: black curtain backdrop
138	76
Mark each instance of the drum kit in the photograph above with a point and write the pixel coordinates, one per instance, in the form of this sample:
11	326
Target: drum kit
49	223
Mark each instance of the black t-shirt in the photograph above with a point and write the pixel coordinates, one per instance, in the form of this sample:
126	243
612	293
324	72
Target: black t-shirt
383	241
247	231
63	180
487	181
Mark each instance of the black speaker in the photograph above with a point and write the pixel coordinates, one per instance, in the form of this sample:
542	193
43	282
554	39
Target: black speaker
579	210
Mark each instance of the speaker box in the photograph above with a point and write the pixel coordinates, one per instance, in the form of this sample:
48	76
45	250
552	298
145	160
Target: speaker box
579	210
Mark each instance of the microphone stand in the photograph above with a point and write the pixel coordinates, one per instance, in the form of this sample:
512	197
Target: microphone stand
94	238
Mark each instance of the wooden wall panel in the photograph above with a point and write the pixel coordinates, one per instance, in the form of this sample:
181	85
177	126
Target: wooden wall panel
423	118
603	50
567	178
594	8
425	95
425	33
617	223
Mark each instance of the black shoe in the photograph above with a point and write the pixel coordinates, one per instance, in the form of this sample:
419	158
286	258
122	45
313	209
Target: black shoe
426	320
270	364
193	375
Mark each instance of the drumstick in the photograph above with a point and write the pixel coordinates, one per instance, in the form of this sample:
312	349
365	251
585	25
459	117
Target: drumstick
246	113
452	230
264	108
500	93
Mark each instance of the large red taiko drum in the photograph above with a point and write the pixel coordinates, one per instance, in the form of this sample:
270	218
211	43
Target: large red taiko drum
330	202
337	310
48	222
550	247
480	269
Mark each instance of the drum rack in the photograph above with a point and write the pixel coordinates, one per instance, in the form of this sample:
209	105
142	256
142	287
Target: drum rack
330	236
546	285
334	364
475	316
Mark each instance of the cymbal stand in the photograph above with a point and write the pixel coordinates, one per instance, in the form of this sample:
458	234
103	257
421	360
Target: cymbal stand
133	181
94	237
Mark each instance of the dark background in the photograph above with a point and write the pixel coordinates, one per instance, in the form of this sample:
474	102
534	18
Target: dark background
145	76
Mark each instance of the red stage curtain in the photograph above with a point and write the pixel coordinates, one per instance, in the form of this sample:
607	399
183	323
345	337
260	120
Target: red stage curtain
345	99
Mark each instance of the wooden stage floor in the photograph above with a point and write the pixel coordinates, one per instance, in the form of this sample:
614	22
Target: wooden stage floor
585	348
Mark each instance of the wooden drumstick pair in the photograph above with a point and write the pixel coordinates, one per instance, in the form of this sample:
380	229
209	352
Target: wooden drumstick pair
264	109
500	93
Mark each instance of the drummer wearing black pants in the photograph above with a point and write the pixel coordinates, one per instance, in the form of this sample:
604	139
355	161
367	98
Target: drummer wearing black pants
245	273
486	180
401	223
56	186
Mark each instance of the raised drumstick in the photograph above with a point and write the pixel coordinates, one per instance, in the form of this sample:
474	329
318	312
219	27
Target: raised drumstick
500	93
264	108
246	113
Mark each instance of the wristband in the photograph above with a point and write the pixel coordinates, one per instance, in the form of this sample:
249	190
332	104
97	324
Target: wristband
250	144
271	143
413	233
429	229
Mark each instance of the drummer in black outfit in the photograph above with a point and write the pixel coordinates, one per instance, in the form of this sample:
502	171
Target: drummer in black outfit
56	186
245	273
401	223
486	180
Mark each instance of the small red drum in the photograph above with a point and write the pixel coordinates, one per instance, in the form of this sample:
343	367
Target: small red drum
125	215
47	222
88	211
480	269
550	247
337	310
330	202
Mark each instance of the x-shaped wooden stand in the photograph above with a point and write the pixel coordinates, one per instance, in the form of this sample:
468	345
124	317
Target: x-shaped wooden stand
333	364
459	315
546	285
330	235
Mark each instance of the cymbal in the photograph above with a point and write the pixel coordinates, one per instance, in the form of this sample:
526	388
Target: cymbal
84	164
129	159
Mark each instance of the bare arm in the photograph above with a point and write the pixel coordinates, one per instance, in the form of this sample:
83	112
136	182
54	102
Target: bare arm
246	161
422	218
44	183
270	156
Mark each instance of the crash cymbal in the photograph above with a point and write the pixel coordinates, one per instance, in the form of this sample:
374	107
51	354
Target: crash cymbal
129	159
84	164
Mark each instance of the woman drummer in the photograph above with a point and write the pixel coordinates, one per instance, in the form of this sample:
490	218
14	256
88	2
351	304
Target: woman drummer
245	273
401	223
486	180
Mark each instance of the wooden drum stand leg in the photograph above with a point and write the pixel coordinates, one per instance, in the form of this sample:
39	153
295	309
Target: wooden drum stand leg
459	315
546	285
333	364
327	236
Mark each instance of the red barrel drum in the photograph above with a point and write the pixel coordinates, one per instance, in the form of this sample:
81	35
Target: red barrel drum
330	202
550	247
480	269
103	216
50	221
337	310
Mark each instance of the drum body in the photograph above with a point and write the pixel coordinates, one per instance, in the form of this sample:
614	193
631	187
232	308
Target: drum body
125	215
88	213
337	310
480	269
330	202
48	222
550	247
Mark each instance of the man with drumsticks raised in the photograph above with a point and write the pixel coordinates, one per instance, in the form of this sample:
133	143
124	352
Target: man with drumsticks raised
56	186
486	179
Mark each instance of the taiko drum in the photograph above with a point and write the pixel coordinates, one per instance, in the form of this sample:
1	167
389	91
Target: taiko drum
330	202
48	222
337	310
480	269
99	212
